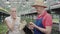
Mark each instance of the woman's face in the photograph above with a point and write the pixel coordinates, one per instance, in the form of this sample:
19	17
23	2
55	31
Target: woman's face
13	13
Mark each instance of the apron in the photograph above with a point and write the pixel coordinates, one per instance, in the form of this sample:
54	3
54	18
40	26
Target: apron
38	22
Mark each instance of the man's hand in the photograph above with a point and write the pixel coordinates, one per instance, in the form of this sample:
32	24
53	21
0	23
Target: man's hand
31	25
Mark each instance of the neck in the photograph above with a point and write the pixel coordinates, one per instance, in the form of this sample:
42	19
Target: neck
41	12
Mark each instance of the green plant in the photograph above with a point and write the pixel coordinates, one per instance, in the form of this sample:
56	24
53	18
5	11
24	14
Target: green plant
3	28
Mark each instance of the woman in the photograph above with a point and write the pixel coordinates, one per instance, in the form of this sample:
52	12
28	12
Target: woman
13	22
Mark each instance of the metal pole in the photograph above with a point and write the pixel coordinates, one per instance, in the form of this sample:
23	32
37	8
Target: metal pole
59	23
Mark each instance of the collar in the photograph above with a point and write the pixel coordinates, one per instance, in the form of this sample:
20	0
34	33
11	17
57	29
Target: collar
43	14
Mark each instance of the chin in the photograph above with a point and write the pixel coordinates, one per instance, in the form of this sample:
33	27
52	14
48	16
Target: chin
14	17
39	13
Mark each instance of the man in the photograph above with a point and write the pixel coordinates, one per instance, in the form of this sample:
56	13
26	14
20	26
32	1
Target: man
43	23
13	22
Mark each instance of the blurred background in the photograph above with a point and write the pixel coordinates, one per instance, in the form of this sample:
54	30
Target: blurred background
28	13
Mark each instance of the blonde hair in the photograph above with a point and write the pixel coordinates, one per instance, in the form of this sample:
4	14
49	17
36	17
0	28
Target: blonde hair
12	8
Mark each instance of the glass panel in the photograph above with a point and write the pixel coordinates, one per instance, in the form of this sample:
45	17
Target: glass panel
55	18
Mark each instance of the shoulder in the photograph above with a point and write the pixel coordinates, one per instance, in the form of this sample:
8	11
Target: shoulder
7	18
48	15
18	18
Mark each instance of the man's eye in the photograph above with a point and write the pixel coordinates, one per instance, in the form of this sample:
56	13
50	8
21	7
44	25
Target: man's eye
13	11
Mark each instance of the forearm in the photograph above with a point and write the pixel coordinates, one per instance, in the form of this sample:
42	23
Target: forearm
10	27
42	29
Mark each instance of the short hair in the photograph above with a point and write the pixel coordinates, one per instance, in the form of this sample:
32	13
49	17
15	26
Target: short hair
12	8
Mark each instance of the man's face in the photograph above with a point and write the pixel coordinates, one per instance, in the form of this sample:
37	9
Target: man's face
39	9
13	12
